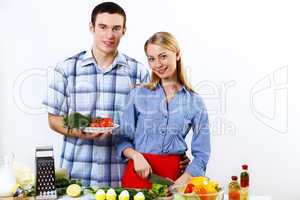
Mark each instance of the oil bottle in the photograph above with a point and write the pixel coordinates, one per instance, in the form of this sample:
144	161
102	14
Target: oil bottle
244	182
234	189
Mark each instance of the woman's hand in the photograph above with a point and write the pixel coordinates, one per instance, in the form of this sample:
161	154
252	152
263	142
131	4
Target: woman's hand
183	179
141	166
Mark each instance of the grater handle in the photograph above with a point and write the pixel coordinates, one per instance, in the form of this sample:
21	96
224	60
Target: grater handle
43	149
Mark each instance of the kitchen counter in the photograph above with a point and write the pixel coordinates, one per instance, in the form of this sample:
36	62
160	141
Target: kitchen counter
255	198
85	197
88	197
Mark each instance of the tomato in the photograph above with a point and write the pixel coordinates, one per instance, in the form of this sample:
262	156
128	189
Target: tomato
189	188
106	122
95	124
96	120
102	122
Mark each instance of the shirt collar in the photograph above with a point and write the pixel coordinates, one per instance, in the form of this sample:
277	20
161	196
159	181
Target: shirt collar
183	88
88	59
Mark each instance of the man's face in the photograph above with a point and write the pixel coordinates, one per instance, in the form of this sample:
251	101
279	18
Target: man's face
107	32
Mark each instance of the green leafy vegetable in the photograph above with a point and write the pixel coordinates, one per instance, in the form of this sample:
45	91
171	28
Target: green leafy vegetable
159	190
76	120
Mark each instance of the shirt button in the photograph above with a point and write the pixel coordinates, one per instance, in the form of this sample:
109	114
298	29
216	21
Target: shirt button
166	116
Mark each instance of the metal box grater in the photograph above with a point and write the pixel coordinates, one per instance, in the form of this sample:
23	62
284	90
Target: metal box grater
45	173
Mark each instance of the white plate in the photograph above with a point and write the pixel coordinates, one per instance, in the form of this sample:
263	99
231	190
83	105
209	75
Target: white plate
100	129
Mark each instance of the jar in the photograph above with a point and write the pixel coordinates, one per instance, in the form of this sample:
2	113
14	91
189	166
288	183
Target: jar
7	178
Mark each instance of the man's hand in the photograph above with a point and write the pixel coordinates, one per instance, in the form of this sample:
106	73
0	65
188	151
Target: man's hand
184	162
56	123
141	166
79	133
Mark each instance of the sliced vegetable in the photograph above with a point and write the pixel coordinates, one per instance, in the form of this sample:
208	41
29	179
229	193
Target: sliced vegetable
189	188
159	190
74	190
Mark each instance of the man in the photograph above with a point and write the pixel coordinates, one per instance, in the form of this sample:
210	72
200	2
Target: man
96	83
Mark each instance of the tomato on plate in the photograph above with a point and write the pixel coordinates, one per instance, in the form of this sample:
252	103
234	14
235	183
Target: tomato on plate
102	122
95	124
96	120
106	122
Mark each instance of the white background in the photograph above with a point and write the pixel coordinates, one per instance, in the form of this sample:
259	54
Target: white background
242	56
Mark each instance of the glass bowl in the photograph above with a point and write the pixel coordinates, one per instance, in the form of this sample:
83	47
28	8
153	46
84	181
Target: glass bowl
178	194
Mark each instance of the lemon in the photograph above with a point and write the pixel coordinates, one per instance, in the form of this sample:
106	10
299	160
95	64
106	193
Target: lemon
111	194
210	189
139	196
213	183
199	181
124	195
100	195
74	190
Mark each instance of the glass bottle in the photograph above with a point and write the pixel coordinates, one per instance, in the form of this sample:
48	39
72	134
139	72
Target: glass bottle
244	179
234	189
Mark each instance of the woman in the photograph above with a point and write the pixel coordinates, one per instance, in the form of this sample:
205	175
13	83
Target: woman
158	117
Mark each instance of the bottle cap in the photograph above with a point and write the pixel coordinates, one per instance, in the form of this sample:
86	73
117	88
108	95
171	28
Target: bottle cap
245	167
234	178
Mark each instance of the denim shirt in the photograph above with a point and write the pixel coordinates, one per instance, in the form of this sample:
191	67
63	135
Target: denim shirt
150	124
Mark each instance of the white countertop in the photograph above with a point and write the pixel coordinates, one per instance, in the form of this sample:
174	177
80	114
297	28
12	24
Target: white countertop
255	198
86	197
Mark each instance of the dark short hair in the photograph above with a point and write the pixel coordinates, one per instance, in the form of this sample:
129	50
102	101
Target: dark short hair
108	7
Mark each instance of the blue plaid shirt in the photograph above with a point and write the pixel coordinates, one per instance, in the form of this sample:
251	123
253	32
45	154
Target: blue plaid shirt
149	125
79	85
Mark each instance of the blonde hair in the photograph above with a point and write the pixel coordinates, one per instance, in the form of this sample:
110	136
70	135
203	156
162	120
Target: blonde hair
167	41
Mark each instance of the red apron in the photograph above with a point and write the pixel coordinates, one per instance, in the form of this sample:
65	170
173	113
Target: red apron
163	165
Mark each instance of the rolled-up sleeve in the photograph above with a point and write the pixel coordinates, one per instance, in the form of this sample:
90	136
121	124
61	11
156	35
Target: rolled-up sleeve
200	143
56	97
127	126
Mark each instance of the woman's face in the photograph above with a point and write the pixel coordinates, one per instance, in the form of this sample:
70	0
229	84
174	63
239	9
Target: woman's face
162	61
